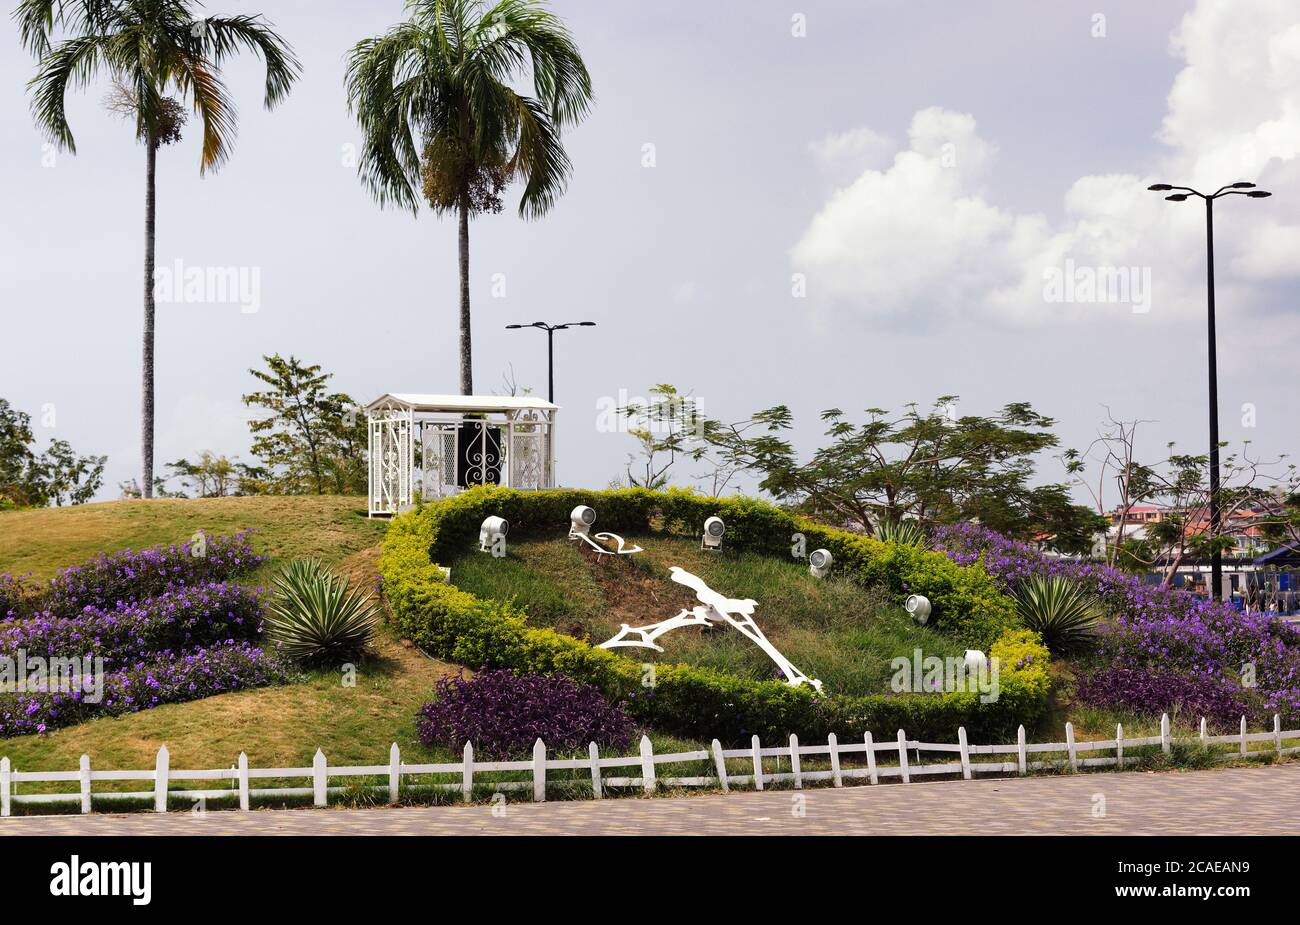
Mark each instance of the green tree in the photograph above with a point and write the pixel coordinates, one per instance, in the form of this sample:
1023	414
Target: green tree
311	441
439	117
213	476
56	476
151	49
932	466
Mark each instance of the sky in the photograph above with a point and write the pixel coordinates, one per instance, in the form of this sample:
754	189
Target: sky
814	204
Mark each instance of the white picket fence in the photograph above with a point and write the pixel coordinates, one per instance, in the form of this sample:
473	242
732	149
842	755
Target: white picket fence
646	762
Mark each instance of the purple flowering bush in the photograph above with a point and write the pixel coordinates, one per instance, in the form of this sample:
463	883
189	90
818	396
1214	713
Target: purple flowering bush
180	619
171	677
167	622
16	599
503	714
131	575
1156	631
1152	692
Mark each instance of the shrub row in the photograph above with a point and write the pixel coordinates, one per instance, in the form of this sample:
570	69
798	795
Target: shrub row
698	702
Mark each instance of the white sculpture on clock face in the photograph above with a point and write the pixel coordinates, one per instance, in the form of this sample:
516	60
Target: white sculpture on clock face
714	607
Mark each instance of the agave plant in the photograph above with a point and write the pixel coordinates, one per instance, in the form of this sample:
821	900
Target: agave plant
1058	609
901	532
315	615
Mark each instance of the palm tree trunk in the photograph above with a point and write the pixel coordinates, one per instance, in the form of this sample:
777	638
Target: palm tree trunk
466	370
146	403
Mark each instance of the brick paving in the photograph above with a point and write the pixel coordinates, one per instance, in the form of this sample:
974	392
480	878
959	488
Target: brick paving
1230	801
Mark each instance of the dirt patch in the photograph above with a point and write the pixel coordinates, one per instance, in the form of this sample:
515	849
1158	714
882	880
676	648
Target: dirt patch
631	595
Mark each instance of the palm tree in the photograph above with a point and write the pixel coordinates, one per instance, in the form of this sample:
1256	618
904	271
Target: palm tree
433	98
149	49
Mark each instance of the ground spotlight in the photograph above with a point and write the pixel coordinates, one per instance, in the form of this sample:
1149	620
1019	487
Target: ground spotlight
918	605
492	535
819	563
713	530
580	520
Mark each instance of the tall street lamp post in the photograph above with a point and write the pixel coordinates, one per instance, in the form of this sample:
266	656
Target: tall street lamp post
550	330
1182	193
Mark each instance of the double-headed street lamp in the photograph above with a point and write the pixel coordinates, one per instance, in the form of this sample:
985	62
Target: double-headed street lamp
550	330
1182	193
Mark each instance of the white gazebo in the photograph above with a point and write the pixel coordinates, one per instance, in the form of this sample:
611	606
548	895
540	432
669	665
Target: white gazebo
438	445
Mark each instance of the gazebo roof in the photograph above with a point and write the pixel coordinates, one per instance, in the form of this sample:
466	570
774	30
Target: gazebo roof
482	403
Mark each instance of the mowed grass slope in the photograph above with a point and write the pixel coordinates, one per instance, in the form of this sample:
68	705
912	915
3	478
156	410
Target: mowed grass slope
832	629
43	541
276	727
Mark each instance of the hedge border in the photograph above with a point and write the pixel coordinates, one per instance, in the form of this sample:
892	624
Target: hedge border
697	702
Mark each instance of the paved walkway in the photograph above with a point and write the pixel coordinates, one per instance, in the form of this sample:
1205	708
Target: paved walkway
1230	801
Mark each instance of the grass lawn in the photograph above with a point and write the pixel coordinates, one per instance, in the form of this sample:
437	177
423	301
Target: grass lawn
833	630
44	541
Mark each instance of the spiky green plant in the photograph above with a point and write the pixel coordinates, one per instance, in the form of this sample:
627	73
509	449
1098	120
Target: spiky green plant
1058	609
902	532
315	615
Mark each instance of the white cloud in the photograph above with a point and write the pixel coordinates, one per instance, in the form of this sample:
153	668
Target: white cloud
854	150
922	234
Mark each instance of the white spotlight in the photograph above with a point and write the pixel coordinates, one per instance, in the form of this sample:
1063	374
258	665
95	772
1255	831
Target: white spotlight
819	563
713	530
975	661
580	521
493	533
918	605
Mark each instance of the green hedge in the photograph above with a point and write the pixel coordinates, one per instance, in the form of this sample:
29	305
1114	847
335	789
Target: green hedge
698	702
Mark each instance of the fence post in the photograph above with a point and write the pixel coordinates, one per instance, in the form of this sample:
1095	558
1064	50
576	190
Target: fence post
721	764
1164	733
394	773
243	782
1204	732
84	777
1119	745
647	764
1277	733
318	778
758	763
160	769
834	745
794	762
1069	747
1021	756
539	771
596	790
1243	737
902	757
467	774
965	752
6	785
